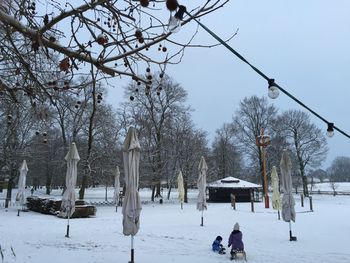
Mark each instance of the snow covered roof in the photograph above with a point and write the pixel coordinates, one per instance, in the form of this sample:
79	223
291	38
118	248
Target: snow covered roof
232	182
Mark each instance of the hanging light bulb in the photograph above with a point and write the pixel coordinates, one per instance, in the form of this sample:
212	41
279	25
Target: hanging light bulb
330	130
174	25
273	90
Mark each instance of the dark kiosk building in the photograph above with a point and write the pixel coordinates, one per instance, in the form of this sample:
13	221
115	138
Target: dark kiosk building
221	190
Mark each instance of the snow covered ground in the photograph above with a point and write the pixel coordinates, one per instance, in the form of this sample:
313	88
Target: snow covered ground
169	234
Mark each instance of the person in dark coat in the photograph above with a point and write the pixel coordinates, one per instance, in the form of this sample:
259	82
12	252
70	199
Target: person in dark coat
217	246
235	241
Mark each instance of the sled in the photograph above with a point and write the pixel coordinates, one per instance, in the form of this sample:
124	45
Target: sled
238	254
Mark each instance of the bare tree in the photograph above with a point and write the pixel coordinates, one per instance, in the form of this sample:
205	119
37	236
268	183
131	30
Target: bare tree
106	153
316	176
45	54
153	110
194	145
46	150
308	141
111	37
339	171
228	160
253	114
15	134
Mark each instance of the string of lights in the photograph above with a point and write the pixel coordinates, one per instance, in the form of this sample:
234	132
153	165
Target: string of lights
273	87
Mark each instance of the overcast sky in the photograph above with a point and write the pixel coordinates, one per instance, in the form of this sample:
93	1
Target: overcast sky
302	44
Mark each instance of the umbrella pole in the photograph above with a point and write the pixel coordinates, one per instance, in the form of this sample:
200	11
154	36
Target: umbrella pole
132	249
291	238
202	219
290	231
67	235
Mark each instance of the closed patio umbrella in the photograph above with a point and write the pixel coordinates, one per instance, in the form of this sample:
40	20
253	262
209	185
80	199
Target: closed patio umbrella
116	187
68	199
132	204
202	184
181	189
276	198
288	210
22	184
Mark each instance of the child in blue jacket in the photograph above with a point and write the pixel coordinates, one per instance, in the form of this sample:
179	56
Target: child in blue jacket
217	246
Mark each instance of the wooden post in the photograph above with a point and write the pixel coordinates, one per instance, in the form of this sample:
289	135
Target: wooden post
233	201
311	208
252	200
302	200
266	197
262	141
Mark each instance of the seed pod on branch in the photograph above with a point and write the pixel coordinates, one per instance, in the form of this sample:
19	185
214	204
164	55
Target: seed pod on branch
138	33
102	39
172	5
64	64
144	3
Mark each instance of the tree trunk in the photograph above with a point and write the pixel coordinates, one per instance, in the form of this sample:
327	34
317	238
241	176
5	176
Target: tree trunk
83	186
301	166
48	179
158	166
305	188
106	199
8	193
169	191
303	179
185	196
9	188
90	141
158	194
153	192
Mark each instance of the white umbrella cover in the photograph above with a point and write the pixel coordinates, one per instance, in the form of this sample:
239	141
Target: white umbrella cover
276	198
68	199
22	183
132	204
180	186
202	184
288	210
116	186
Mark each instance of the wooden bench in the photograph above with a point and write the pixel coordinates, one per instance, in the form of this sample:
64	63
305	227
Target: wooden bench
52	207
82	211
